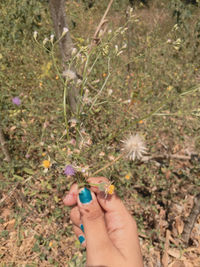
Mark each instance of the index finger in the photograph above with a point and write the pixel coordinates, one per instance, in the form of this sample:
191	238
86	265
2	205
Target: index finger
71	198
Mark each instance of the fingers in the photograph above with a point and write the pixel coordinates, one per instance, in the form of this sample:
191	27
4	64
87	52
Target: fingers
109	203
98	243
80	235
121	226
71	198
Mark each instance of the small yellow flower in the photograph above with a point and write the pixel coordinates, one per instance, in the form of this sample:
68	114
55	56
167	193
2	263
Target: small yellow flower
169	88
141	121
104	74
44	154
40	84
111	189
46	163
57	77
50	244
127	176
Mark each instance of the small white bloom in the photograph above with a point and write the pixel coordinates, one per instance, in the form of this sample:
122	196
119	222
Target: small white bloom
65	30
45	41
101	33
74	51
134	147
110	31
73	122
110	91
116	48
79	81
35	34
69	74
51	38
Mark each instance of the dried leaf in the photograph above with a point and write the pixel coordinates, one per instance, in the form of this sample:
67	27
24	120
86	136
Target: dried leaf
179	224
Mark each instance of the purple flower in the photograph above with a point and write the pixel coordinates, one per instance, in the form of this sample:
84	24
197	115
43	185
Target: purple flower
69	170
16	101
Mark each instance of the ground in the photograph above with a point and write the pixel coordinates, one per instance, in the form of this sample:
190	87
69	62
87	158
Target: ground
148	74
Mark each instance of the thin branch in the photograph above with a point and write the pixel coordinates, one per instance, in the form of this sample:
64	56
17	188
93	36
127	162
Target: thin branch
3	145
167	156
107	165
102	22
191	219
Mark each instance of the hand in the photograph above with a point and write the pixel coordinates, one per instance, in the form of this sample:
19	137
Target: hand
104	227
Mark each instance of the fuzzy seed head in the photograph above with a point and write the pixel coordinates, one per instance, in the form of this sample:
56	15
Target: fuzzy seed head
134	147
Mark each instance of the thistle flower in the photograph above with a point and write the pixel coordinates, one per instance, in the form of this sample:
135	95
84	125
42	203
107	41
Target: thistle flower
16	101
110	189
134	147
107	188
69	170
69	74
46	164
127	176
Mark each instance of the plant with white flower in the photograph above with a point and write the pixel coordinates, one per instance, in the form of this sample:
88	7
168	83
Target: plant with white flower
35	34
52	38
134	147
45	41
65	30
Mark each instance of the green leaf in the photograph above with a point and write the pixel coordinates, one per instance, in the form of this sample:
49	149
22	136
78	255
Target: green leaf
28	171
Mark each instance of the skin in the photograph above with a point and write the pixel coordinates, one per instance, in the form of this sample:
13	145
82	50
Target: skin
110	232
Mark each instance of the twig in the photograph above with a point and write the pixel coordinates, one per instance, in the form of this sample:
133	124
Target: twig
102	22
166	156
3	145
107	165
165	257
11	192
190	221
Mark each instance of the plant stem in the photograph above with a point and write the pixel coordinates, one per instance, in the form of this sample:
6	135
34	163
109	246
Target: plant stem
108	165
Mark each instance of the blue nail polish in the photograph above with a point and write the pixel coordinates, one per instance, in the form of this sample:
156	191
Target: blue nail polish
82	227
81	238
85	196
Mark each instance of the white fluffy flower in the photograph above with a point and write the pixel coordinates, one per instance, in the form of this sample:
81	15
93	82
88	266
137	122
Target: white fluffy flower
134	147
69	74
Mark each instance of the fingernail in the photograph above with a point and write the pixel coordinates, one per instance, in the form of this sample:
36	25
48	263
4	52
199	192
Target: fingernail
85	196
82	227
81	238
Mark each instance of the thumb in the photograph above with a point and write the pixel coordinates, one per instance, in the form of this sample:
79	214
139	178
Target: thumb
98	243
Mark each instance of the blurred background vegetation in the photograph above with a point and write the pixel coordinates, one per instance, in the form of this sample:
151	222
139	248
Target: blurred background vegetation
152	88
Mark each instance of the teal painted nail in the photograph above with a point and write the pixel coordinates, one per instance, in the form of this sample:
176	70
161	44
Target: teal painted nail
81	238
82	227
85	196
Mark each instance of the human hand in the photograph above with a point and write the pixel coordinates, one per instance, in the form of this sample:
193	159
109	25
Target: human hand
104	227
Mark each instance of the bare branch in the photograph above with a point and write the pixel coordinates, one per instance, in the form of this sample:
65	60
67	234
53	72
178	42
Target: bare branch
3	145
102	22
191	219
57	9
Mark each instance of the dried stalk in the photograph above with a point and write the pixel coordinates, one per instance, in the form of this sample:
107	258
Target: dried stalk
3	145
102	22
191	219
